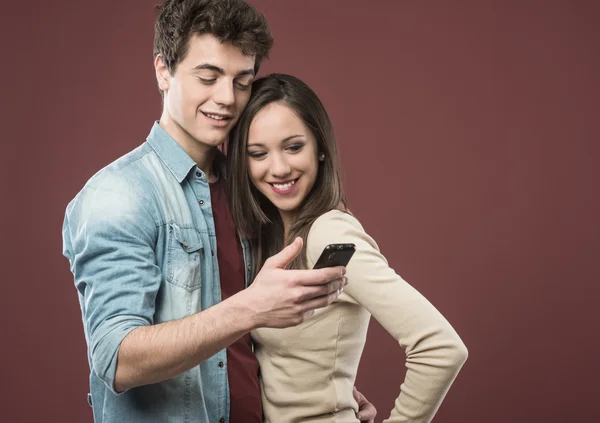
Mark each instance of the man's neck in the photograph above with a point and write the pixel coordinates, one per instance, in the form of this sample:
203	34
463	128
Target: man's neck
202	154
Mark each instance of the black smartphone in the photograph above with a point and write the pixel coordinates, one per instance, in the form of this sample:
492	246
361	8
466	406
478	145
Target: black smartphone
335	255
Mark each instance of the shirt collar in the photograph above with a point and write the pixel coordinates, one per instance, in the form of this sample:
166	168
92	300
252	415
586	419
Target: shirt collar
170	152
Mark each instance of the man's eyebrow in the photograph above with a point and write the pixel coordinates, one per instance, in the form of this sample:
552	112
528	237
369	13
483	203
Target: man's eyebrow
207	66
286	139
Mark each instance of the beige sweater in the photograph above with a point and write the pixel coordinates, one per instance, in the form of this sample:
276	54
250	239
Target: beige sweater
308	371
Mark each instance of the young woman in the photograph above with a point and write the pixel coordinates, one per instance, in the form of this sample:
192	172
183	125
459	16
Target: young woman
284	182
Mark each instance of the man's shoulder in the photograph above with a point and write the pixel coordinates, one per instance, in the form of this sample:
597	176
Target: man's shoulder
127	179
129	167
118	199
136	170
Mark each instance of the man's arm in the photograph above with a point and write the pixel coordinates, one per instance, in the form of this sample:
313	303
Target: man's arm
109	237
276	298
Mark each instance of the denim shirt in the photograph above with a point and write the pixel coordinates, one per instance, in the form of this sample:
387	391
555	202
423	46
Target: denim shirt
140	239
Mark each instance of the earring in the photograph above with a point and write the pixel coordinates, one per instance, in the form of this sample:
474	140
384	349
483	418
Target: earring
322	157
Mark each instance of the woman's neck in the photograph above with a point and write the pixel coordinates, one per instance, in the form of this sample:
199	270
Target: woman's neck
287	218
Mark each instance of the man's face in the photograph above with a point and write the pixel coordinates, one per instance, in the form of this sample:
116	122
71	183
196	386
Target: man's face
207	92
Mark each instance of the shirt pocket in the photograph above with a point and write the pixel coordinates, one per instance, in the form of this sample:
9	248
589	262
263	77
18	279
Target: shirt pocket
184	257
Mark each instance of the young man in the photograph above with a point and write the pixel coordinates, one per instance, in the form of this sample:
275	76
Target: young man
157	264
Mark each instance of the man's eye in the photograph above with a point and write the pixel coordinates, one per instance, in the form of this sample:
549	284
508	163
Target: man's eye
241	86
207	81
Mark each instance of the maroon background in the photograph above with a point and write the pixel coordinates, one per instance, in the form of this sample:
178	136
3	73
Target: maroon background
469	137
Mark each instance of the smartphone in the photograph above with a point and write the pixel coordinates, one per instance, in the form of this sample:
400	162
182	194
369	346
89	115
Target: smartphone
335	255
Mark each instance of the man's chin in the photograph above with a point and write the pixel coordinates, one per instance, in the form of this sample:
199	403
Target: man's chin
215	143
214	138
211	140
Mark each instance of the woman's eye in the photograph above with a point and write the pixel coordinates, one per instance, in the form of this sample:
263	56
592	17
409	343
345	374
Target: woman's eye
256	154
295	147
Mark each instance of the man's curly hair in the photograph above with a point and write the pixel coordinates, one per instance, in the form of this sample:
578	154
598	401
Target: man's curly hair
228	20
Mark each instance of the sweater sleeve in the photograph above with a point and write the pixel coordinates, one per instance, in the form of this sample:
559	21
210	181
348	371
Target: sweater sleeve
434	351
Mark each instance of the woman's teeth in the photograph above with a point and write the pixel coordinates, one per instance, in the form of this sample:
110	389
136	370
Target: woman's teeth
284	186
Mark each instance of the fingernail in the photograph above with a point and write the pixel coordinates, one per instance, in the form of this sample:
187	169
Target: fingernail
343	271
345	281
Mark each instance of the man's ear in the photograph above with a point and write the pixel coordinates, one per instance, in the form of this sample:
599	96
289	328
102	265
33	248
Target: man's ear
162	73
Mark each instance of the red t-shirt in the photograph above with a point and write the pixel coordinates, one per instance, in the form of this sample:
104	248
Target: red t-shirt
242	365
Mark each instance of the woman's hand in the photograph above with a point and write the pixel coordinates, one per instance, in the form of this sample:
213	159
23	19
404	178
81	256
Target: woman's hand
366	410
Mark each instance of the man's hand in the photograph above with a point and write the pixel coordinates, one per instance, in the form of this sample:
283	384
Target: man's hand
366	410
282	298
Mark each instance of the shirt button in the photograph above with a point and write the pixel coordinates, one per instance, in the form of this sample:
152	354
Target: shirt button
221	364
201	202
249	267
212	252
198	174
185	244
222	420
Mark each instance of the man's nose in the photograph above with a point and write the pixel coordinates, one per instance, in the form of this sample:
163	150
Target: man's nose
224	93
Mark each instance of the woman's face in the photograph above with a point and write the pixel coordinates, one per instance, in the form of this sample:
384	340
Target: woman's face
282	157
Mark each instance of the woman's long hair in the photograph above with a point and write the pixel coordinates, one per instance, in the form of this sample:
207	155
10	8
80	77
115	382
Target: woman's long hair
255	217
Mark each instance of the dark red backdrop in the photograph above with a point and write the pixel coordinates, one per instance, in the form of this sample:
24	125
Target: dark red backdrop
469	138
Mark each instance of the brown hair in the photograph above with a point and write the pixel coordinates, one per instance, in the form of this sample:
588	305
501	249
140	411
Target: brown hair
255	217
228	20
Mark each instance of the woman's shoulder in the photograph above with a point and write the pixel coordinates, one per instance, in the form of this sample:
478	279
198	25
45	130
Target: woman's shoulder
335	220
336	226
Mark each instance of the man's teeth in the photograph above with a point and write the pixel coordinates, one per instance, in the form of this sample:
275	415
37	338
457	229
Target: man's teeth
215	117
284	186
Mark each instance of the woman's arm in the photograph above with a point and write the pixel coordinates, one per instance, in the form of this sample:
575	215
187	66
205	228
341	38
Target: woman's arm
434	351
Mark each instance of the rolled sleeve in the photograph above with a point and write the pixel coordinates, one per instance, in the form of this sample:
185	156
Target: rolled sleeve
109	237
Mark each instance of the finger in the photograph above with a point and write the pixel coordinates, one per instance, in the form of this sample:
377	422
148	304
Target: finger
358	397
309	292
320	302
367	413
285	256
308	314
318	276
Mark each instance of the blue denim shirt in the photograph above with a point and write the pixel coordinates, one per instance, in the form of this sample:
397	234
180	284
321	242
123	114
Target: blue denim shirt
140	239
